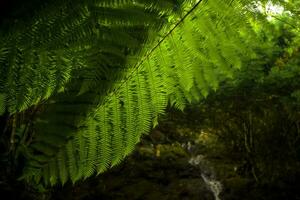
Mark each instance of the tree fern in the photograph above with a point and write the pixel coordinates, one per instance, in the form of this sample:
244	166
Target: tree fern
106	79
38	56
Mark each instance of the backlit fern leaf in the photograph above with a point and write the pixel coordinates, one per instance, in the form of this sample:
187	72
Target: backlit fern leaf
117	139
116	79
104	140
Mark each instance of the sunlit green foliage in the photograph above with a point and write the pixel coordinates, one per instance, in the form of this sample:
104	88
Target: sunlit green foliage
96	75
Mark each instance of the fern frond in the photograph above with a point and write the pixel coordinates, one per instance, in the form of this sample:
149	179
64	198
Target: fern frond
62	166
110	101
117	136
72	163
143	106
53	172
104	149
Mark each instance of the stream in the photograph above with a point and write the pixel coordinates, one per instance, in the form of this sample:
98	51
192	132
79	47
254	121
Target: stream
208	174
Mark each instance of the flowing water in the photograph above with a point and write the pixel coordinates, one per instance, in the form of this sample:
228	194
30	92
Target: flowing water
207	174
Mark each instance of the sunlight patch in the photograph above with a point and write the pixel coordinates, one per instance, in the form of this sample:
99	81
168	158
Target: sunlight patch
269	9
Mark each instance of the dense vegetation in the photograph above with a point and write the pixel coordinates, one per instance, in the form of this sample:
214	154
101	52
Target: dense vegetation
81	81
